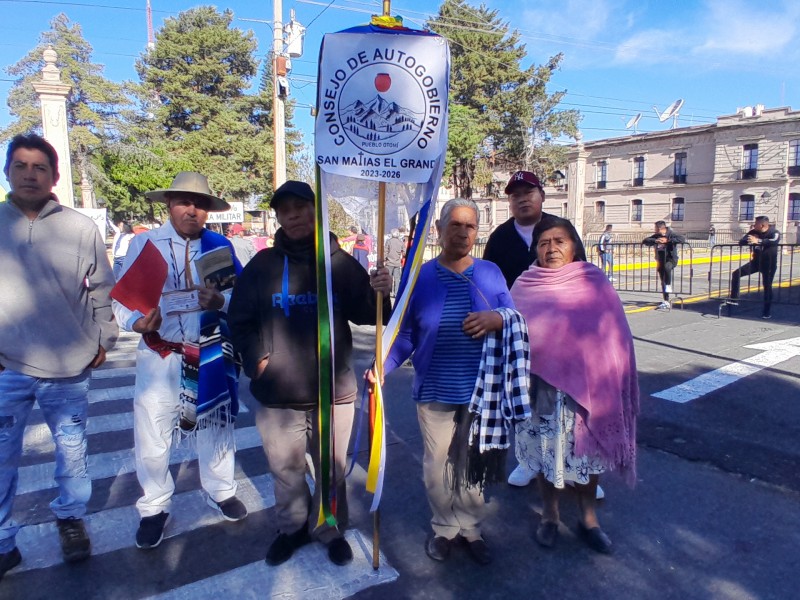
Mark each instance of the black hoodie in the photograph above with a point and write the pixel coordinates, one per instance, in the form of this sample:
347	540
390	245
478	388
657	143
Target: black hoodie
767	248
261	325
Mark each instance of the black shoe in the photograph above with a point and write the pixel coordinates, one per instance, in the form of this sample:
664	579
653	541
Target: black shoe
547	534
283	546
479	551
9	560
595	538
437	548
339	551
231	509
75	545
151	531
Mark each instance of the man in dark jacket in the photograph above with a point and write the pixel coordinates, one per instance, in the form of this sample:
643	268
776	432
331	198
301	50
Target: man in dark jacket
273	322
509	246
764	239
666	244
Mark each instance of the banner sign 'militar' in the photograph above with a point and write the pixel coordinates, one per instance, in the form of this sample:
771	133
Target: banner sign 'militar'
382	105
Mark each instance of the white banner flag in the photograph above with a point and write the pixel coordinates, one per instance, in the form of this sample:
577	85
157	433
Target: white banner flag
382	106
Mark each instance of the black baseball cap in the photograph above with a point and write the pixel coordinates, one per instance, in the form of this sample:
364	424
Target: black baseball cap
525	178
292	189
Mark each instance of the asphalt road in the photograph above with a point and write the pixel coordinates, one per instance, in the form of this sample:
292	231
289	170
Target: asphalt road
714	514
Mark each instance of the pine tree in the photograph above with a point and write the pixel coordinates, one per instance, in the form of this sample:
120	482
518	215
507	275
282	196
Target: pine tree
197	76
509	106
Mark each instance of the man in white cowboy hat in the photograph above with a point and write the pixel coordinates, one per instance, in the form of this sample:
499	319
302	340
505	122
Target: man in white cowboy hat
171	385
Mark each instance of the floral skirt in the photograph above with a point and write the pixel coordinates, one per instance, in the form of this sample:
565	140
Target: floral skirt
546	444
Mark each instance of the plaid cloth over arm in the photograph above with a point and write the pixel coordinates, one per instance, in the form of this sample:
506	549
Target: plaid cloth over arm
501	390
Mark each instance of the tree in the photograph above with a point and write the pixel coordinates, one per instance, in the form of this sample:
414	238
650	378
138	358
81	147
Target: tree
195	80
509	105
93	105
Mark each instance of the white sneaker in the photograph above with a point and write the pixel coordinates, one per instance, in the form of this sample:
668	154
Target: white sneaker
611	279
664	306
521	476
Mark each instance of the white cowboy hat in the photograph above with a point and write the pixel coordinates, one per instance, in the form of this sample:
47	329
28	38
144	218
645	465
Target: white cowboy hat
190	183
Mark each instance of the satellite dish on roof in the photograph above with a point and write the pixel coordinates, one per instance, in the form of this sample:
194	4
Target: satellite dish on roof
633	122
671	111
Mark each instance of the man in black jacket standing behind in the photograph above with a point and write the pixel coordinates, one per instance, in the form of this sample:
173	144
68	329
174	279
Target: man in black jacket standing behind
509	246
764	239
273	322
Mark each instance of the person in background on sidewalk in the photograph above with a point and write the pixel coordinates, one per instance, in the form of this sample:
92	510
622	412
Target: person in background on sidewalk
395	249
712	236
123	234
763	239
273	318
666	244
56	324
511	248
607	252
242	246
186	382
584	407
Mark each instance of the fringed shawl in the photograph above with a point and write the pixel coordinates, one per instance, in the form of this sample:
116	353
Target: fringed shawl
581	344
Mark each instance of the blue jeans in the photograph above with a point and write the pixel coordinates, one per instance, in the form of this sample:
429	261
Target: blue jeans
607	259
64	404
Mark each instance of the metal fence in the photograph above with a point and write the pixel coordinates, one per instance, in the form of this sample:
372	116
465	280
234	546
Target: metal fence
700	273
729	259
635	269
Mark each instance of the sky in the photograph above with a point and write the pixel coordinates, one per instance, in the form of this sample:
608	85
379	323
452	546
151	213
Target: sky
621	57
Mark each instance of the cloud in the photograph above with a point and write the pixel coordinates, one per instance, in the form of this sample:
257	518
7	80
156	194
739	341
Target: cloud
569	21
650	46
748	28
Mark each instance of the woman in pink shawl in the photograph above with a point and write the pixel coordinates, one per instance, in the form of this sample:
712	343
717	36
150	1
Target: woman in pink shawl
584	384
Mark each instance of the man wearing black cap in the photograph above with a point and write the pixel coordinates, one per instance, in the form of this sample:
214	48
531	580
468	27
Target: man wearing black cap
273	319
509	246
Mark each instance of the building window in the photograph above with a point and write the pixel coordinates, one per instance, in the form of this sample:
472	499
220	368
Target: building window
487	215
749	161
794	207
677	209
602	174
638	171
679	175
564	208
600	209
794	158
747	205
636	211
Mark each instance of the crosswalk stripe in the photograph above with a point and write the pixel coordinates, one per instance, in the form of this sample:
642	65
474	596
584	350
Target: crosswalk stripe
114	372
37	437
33	478
308	574
125	392
115	528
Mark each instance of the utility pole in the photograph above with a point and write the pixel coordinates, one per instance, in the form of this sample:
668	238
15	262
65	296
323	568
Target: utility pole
278	109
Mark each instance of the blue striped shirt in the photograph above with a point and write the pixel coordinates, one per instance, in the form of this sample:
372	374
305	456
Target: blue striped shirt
456	357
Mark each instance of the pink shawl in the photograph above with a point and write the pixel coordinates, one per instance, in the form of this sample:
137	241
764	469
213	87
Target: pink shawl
581	344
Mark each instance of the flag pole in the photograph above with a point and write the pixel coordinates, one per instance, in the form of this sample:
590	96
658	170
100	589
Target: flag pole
376	516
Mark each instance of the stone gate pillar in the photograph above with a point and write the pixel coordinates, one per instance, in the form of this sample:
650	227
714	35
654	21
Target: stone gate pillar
53	100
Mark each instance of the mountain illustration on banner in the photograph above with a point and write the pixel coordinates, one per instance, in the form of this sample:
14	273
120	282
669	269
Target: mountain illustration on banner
379	119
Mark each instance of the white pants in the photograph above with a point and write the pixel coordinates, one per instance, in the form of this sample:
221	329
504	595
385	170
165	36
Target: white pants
156	409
